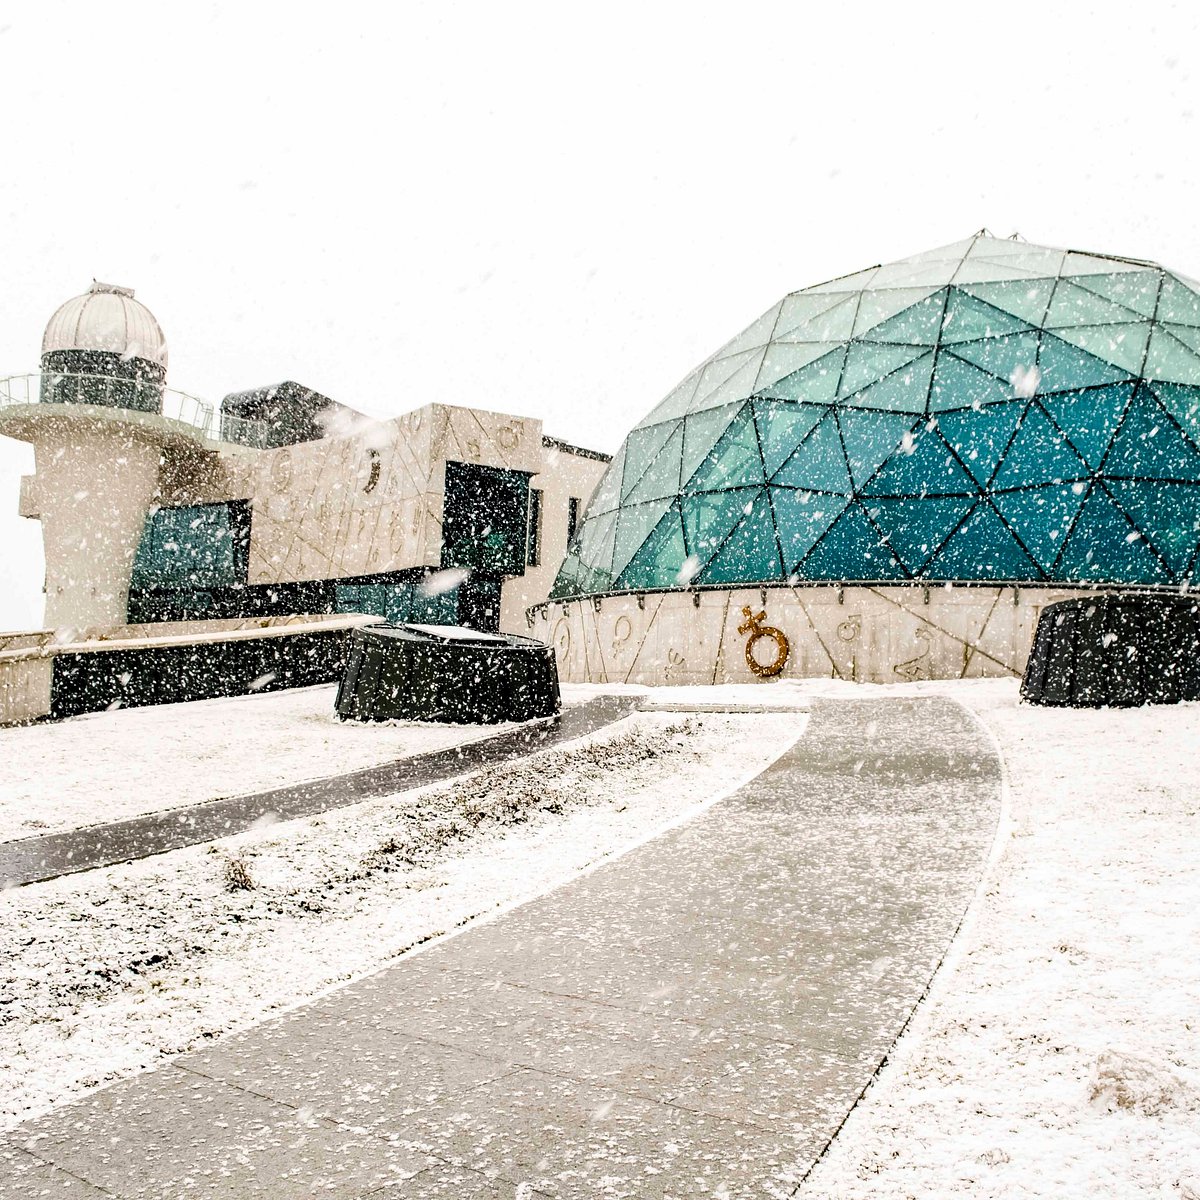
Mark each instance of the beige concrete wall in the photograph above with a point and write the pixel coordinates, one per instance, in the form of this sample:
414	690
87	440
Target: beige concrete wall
24	687
871	634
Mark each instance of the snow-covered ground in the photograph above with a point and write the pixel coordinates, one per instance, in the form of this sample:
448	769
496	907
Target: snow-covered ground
107	971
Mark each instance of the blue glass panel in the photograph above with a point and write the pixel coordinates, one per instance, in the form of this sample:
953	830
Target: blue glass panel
1183	403
661	555
1100	548
1149	444
867	364
1136	290
1177	302
929	468
957	384
1000	357
982	548
980	437
918	325
735	461
634	523
870	437
781	428
1039	454
905	390
750	553
818	462
915	529
661	477
1041	517
968	319
852	549
1166	513
801	518
1065	367
1024	298
1089	419
817	383
709	516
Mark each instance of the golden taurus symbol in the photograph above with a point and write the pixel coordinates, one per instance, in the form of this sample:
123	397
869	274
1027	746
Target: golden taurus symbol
757	630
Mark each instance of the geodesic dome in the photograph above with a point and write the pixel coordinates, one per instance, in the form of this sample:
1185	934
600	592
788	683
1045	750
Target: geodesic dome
987	411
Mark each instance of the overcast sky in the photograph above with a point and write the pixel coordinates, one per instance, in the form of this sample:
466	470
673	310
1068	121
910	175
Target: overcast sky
520	208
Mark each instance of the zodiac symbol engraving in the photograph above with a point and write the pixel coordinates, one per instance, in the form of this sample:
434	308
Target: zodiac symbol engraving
561	640
373	476
622	631
914	668
850	628
675	660
757	631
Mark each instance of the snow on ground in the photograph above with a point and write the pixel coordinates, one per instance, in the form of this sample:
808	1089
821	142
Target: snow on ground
110	765
105	972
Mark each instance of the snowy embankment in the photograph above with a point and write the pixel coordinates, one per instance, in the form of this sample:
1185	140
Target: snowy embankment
106	972
1058	1053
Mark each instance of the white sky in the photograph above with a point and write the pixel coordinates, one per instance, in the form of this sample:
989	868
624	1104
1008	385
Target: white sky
521	208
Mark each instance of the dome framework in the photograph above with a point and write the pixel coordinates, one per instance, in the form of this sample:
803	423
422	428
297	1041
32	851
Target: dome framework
989	411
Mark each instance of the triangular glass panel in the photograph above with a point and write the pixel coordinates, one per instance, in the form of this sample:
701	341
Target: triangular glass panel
915	529
717	371
1024	298
709	516
1000	357
878	307
1149	445
852	549
853	282
1183	403
982	548
566	582
1078	263
737	386
817	383
958	384
835	324
980	436
1041	517
1166	513
607	495
783	358
1105	547
658	561
661	477
924	466
1169	359
1124	346
594	543
634	523
1074	305
1189	335
701	432
1039	454
1089	418
802	307
870	438
677	400
917	325
1177	302
931	273
781	428
989	270
1135	290
755	335
968	319
1064	368
800	518
735	461
818	463
867	363
905	390
641	446
750	554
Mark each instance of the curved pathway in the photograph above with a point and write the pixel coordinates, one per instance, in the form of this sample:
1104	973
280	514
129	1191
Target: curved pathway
693	1019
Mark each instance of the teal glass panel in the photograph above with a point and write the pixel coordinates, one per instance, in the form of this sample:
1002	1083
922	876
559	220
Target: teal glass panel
870	438
1000	357
904	391
1024	298
968	319
781	428
750	553
1137	291
738	386
1168	514
1183	403
929	468
916	320
1090	418
701	432
1124	346
1072	305
608	491
868	363
757	334
678	400
398	603
832	324
657	562
709	516
1042	517
818	463
980	437
1177	302
1039	454
595	540
982	548
735	460
784	358
816	384
641	447
800	518
958	384
1186	334
1065	367
634	523
1150	445
1169	359
852	549
1100	548
661	477
566	582
916	528
189	546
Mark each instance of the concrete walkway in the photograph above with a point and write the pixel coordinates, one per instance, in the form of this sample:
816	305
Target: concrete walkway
694	1019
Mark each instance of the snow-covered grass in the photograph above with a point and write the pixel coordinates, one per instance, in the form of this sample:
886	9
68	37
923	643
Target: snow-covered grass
110	765
105	972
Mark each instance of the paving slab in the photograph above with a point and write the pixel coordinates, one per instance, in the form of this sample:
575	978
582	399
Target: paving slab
694	1018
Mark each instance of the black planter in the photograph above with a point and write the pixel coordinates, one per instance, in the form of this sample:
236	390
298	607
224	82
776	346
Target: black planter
449	674
1116	651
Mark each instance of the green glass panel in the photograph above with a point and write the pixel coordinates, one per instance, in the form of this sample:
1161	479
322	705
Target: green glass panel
870	437
781	428
879	308
1001	356
709	516
782	358
1041	517
1073	305
1039	454
969	319
1136	291
918	325
903	391
1063	367
657	563
716	373
818	463
594	541
1169	359
753	336
1187	334
701	432
737	386
817	383
735	461
958	384
924	467
750	554
833	324
634	523
1122	345
661	477
676	402
1178	303
1183	403
1150	445
1090	418
800	518
1100	548
982	548
641	447
608	491
915	529
867	363
852	549
980	436
1166	513
1024	298
566	582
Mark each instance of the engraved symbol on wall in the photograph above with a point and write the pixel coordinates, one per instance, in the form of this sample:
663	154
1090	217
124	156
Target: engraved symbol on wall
373	473
281	471
622	632
561	641
759	632
915	668
675	662
850	628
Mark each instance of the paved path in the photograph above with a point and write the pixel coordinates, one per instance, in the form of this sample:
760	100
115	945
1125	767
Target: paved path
46	856
694	1019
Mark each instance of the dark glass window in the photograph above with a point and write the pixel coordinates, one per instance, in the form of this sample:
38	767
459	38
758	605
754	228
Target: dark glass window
572	516
534	556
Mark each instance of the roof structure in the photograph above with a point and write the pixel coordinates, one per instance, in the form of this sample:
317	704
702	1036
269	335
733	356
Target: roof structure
108	318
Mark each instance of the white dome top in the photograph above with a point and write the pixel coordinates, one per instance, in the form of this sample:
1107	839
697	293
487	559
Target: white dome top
107	317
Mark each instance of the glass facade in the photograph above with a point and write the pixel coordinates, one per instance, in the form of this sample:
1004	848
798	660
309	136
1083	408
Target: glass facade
988	411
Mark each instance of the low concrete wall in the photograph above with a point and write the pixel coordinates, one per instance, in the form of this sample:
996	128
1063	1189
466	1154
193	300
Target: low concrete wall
874	634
